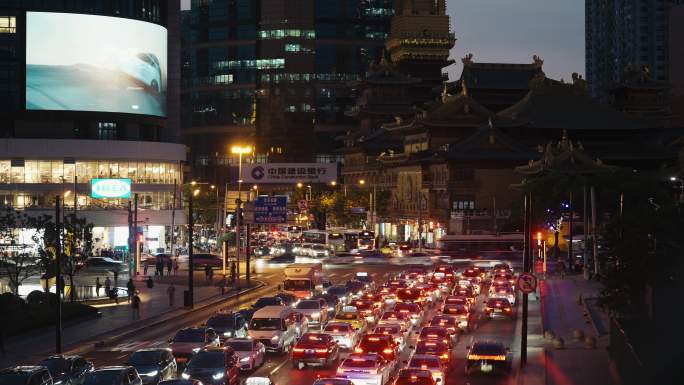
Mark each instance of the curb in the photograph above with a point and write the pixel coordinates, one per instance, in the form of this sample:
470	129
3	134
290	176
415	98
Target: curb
95	342
586	310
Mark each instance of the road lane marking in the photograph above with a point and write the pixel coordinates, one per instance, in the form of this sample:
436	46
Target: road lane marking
278	367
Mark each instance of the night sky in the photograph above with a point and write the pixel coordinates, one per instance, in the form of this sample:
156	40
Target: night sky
511	31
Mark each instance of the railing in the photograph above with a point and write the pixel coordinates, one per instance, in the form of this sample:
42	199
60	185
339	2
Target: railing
627	363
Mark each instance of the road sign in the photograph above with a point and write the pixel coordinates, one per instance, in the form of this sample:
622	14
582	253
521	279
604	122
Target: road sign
270	210
527	283
303	204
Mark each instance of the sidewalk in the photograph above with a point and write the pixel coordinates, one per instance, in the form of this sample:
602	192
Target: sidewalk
22	349
561	313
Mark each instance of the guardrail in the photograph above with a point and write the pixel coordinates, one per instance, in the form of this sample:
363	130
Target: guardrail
621	351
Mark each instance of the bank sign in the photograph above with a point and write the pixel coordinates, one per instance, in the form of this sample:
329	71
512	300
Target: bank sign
110	188
289	173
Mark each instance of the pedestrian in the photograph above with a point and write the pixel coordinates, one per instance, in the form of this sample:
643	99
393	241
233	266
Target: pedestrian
145	266
150	282
175	266
108	286
160	267
233	272
211	274
136	306
98	285
130	288
171	291
169	266
207	272
114	294
116	277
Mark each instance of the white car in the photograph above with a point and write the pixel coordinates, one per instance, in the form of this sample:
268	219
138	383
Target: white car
508	294
343	333
319	251
251	353
429	362
365	369
144	68
313	311
395	331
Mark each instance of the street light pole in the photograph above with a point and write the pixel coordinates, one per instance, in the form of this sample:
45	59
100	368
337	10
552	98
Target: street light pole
191	259
238	150
58	278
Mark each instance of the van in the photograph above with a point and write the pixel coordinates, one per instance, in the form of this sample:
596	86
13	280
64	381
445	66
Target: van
275	327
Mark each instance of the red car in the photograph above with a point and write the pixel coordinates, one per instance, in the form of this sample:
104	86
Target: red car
410	295
413	310
382	344
457	300
445	321
315	348
437	348
435	333
414	377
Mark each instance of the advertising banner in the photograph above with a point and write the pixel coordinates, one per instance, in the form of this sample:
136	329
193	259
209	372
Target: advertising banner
110	188
78	62
289	173
270	210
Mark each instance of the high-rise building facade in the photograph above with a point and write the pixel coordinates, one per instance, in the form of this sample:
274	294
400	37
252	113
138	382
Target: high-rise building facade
90	90
275	74
622	33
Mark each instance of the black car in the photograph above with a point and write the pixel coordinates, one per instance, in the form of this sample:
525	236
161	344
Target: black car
487	357
228	325
267	301
283	258
25	375
215	366
67	370
341	292
331	302
113	375
355	286
153	365
247	314
286	298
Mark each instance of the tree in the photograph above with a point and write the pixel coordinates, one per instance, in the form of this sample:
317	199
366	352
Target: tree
16	259
77	246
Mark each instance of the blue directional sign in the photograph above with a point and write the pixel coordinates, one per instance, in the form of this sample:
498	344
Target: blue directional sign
270	210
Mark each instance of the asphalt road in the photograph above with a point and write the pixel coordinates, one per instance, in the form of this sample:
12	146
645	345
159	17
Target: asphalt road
278	366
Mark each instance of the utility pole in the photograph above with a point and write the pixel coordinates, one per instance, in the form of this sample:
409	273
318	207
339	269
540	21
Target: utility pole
527	254
135	232
58	277
570	256
173	219
191	283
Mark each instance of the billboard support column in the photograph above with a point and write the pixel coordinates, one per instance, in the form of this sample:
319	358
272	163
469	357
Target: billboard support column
135	232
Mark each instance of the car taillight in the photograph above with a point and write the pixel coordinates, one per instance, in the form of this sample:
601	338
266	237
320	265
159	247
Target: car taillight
298	350
358	350
507	309
321	350
387	351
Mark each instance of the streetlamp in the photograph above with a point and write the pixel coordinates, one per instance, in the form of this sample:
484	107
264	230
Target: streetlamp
239	150
191	224
371	203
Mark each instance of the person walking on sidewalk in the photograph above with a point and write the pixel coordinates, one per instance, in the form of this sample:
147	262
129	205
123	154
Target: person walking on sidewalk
171	291
108	286
130	287
175	266
145	267
98	285
149	282
207	272
169	266
136	306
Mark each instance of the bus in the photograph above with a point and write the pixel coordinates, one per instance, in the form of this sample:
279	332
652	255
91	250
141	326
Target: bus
359	240
484	246
315	236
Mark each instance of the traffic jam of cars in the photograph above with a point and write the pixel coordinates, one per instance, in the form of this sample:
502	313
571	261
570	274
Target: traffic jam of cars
400	332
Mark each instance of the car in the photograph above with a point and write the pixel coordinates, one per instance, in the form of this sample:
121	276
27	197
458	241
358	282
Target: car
465	291
376	297
25	375
508	294
213	366
67	370
388	295
457	300
153	258
143	67
315	312
263	251
351	315
319	251
429	362
460	312
498	307
287	299
113	375
366	369
301	323
413	310
275	327
180	381
393	330
436	348
369	309
414	274
366	279
356	288
228	325
250	352
411	295
450	322
332	381
283	258
315	348
382	344
247	314
202	260
405	248
306	250
448	271
504	277
153	365
189	341
267	301
472	272
395	317
343	333
487	357
470	282
397	284
435	333
104	265
341	292
410	376
331	302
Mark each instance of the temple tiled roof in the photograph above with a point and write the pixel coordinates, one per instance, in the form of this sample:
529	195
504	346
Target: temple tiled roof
498	75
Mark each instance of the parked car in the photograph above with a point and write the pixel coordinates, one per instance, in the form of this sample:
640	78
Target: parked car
25	375
67	370
202	260
153	365
113	375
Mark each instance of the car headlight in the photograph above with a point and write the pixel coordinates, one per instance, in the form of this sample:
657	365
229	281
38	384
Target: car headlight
195	350
217	376
151	374
185	376
228	334
331	308
275	338
245	359
60	382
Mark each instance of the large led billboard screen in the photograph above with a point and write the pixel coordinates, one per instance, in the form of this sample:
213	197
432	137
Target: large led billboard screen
77	62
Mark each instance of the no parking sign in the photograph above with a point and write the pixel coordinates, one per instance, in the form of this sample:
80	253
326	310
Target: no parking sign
527	283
